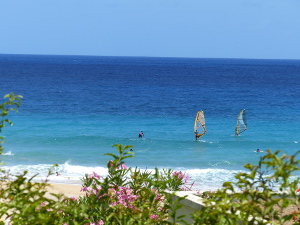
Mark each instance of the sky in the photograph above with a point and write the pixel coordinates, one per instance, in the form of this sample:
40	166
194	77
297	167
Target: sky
260	29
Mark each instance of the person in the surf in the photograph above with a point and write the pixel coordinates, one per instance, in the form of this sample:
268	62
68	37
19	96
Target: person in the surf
236	130
196	134
141	134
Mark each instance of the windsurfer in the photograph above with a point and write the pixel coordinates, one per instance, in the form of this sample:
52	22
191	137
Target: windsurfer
196	134
237	130
241	123
199	124
141	134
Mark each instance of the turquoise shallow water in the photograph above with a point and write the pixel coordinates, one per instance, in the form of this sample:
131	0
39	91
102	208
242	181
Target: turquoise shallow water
76	107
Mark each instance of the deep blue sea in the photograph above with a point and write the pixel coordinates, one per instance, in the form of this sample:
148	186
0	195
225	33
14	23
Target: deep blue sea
75	108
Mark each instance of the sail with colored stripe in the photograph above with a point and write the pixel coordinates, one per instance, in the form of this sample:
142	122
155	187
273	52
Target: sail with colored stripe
241	122
199	125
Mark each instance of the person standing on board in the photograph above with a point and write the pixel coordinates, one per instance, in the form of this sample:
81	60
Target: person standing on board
196	134
237	130
141	134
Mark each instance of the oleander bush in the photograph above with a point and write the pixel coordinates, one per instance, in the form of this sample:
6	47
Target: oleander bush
131	196
125	196
259	196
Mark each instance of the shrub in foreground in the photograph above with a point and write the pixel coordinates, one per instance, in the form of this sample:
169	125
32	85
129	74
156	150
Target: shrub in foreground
258	196
130	196
125	196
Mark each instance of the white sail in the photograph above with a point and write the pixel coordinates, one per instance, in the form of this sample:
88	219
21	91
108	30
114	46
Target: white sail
199	125
241	122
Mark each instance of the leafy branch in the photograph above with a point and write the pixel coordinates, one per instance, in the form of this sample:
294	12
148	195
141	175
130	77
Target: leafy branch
12	103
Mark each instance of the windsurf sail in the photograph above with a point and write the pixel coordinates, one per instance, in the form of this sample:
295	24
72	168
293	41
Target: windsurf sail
241	123
199	125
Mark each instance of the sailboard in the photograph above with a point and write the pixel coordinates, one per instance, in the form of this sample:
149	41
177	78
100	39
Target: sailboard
199	125
241	122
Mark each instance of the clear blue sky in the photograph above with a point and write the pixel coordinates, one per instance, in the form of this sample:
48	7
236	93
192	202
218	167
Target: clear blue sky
264	29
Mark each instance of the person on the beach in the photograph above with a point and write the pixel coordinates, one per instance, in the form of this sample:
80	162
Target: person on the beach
57	174
141	134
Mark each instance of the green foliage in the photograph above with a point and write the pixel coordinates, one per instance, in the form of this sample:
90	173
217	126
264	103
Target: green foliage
251	199
26	202
129	196
12	103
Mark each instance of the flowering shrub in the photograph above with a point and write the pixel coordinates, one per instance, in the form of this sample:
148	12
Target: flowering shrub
181	181
252	199
129	196
125	196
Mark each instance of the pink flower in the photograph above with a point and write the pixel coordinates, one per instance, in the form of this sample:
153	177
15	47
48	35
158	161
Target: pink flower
179	174
111	164
89	189
43	204
186	179
158	197
100	222
73	198
101	196
96	175
98	187
124	167
113	204
153	216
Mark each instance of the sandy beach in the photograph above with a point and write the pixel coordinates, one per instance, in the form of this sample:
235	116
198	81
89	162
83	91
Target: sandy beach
69	190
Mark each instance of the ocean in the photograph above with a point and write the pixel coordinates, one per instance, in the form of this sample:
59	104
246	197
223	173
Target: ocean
75	108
